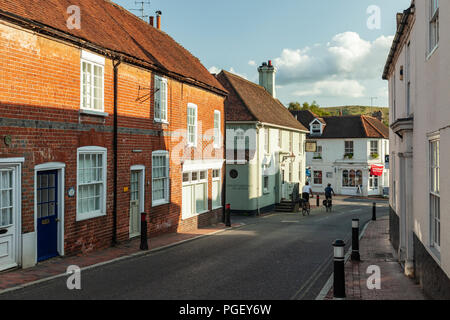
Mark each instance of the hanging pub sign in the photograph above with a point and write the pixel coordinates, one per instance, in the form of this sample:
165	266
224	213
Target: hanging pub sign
376	170
310	146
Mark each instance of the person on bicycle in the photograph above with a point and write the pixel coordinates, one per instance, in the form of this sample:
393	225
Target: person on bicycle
329	192
306	191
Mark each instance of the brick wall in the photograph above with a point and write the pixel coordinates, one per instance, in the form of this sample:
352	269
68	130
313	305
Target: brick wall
40	110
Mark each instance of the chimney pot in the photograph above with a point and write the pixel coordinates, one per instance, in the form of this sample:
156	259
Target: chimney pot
158	20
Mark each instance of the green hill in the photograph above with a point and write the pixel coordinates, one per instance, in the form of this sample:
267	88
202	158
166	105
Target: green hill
356	110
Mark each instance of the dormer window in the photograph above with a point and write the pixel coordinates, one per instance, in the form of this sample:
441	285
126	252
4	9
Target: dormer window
316	127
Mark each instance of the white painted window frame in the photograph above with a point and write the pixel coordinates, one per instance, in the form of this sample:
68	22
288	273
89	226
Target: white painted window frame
433	20
102	211
313	178
217	131
157	117
93	60
215	179
193	183
166	200
434	193
190	143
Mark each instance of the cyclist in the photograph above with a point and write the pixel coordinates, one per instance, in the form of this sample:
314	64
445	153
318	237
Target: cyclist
329	192
306	191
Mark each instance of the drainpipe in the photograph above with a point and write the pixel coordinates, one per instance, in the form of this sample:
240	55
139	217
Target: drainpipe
258	131
116	64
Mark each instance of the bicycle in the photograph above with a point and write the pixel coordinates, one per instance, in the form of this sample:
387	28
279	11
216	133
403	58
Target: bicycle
328	203
306	208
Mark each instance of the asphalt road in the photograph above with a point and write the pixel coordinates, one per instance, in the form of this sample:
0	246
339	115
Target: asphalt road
279	257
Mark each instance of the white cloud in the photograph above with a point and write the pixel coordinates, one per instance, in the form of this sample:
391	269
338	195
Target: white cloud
214	70
252	63
346	56
333	88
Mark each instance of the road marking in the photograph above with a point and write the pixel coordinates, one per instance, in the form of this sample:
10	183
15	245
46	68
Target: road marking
285	221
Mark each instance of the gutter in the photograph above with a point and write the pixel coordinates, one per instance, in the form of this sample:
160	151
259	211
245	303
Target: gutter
396	41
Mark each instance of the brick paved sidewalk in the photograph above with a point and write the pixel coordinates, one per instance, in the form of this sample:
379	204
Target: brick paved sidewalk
376	249
58	266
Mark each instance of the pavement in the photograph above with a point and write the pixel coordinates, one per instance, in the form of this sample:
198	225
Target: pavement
56	267
376	250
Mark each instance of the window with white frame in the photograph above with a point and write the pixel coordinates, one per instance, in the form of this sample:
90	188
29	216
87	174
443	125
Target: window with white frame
160	177
192	124
300	143
373	182
434	24
266	141
194	193
92	82
280	139
6	197
374	150
317	177
291	171
348	149
316	128
435	198
291	142
91	182
318	154
216	189
216	129
160	99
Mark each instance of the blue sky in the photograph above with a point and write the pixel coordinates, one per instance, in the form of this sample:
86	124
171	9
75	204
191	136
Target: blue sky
323	49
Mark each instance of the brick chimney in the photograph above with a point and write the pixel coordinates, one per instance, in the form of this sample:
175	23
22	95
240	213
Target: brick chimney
152	19
158	20
267	77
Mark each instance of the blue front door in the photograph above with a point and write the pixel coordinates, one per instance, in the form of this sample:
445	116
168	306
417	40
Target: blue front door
47	214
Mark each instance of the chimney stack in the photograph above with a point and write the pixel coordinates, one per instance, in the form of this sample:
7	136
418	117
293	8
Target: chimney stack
158	20
267	77
152	19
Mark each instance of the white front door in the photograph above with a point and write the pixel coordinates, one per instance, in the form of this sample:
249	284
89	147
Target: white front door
135	203
8	219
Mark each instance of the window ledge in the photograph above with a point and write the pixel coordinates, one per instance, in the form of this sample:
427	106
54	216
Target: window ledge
435	254
432	52
87	216
215	208
160	203
160	121
94	113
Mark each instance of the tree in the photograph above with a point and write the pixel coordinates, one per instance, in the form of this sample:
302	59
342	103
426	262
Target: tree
294	106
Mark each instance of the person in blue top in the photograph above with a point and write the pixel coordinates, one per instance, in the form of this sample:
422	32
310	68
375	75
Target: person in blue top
329	192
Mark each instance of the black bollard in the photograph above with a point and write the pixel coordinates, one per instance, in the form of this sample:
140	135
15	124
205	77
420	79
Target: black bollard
355	240
318	201
228	215
144	242
374	212
339	271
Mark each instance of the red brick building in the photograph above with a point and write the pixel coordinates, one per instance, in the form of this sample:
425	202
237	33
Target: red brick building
102	117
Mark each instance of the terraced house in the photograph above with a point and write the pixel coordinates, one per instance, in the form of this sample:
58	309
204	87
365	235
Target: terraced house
350	153
265	145
100	119
418	71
